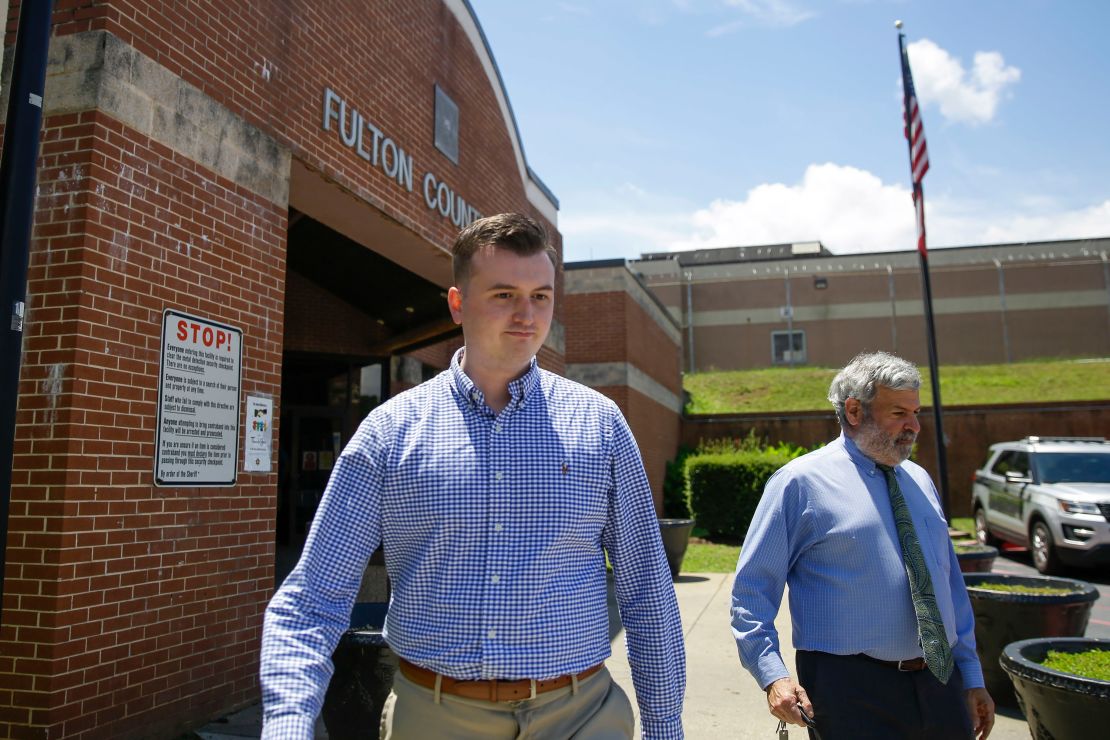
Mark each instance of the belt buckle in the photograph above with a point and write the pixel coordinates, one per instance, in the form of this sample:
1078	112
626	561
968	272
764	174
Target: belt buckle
904	670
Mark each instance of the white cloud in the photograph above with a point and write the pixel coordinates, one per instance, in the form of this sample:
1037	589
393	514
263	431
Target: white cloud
963	97
1074	224
846	208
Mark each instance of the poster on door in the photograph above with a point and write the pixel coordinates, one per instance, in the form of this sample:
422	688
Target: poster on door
197	437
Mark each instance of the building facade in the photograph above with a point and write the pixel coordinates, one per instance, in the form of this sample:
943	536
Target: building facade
798	304
241	239
621	341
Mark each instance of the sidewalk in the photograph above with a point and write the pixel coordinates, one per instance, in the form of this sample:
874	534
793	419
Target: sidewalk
722	700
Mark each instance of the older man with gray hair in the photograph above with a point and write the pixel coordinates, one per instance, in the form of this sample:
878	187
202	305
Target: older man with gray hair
883	628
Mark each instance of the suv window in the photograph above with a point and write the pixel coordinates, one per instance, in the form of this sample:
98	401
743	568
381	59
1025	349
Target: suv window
1073	467
1012	460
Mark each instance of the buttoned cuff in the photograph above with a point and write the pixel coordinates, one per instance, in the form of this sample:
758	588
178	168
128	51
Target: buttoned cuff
972	674
769	669
661	729
289	727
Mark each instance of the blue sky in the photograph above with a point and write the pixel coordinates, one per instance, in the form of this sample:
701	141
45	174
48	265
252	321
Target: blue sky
673	124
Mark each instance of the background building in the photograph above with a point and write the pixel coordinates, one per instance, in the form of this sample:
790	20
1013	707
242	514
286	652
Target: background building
748	307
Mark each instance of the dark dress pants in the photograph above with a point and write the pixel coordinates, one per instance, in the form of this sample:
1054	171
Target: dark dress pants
858	699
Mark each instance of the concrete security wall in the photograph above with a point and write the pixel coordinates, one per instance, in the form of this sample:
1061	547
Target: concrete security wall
970	431
992	304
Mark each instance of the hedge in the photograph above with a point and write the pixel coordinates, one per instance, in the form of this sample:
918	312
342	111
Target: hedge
724	488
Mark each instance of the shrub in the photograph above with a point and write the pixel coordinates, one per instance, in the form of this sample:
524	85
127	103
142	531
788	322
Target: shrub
724	487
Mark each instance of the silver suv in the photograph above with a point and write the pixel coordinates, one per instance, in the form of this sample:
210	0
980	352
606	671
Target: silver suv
1050	494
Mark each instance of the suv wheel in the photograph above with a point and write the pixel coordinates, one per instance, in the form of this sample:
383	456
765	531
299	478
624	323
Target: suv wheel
982	532
1043	550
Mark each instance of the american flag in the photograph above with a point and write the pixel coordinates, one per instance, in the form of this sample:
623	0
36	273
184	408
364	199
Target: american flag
915	133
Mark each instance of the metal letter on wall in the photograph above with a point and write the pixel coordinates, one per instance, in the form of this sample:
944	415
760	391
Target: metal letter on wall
197	437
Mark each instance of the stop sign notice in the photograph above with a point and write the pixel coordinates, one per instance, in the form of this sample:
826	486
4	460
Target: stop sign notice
198	402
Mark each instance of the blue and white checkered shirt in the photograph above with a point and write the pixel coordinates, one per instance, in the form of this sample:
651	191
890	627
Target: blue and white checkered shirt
825	527
493	527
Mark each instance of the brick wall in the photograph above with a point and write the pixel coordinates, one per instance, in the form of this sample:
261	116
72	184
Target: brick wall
382	59
132	610
624	346
128	607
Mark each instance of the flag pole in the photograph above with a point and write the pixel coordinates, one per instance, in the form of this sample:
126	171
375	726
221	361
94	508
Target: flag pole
919	165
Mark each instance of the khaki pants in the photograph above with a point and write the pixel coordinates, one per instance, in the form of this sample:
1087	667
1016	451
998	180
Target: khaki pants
598	710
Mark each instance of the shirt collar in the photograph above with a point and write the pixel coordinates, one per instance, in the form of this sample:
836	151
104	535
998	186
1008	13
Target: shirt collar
519	389
856	454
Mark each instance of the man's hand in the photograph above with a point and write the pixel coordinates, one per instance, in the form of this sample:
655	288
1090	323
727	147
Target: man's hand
784	697
980	707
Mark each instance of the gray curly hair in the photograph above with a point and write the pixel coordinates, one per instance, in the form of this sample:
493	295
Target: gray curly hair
862	377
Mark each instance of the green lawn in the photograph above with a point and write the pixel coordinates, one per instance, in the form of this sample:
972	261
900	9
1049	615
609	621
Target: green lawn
710	557
805	388
963	523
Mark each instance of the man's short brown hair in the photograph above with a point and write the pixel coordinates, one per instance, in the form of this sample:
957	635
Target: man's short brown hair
516	232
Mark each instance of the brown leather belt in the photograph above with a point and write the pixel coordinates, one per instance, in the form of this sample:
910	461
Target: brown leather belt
906	666
490	690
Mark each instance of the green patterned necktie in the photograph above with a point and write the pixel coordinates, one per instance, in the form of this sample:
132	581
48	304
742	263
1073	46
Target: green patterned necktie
930	626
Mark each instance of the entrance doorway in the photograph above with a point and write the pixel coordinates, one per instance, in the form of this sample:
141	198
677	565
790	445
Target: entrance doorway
323	402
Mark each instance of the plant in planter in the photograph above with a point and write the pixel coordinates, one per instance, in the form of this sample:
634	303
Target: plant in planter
1012	608
976	558
1057	699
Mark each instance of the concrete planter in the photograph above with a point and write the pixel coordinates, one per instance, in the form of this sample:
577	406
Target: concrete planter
976	558
1057	705
1005	617
676	536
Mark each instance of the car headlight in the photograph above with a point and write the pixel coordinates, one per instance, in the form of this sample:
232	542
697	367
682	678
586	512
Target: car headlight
1079	507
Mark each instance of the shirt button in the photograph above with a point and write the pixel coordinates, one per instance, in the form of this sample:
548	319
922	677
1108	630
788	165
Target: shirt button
497	527
491	634
498	475
497	427
495	578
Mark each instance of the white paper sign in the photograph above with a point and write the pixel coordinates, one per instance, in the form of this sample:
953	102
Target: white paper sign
260	427
197	439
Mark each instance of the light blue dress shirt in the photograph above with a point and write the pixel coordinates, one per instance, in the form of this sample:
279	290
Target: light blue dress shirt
825	528
493	527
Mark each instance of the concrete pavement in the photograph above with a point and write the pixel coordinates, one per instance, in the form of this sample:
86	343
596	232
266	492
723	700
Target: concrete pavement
722	699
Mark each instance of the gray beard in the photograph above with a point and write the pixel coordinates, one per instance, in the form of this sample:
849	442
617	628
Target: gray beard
880	446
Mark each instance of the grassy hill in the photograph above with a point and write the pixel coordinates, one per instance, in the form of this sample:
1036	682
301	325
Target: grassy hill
805	388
